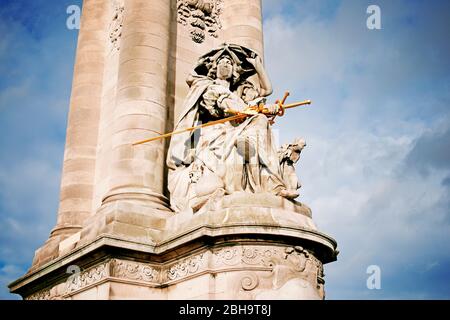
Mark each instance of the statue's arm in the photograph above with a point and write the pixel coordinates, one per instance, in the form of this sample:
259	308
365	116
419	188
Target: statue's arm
231	103
266	85
209	102
218	101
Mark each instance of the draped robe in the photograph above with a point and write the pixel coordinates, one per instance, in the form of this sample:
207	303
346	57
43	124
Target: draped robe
232	156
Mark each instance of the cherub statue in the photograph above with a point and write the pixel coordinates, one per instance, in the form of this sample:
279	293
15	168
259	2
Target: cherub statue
289	154
250	94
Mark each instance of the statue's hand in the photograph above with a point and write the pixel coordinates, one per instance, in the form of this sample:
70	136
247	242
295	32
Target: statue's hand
250	111
256	62
273	109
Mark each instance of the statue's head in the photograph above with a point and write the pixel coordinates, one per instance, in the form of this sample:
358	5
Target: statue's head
296	149
291	151
299	143
225	67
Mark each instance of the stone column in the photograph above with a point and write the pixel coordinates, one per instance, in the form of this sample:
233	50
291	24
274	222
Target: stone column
242	24
141	109
82	128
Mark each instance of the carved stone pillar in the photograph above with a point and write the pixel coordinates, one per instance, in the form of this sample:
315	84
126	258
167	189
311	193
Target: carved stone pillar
129	200
82	130
243	24
141	109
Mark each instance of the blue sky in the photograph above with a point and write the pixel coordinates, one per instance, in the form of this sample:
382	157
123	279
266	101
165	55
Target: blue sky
376	171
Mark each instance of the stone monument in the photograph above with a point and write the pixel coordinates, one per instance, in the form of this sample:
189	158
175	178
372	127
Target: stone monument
207	213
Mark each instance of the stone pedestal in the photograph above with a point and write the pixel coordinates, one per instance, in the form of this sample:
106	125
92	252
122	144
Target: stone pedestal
240	251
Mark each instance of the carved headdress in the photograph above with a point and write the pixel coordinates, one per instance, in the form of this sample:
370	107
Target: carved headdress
238	55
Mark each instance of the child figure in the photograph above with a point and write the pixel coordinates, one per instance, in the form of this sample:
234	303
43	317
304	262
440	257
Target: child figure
289	154
250	94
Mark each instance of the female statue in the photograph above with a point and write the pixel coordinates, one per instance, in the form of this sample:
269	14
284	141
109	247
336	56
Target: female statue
231	156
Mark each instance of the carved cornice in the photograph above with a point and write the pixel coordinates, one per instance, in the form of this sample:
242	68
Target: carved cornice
245	258
40	295
187	267
133	270
88	277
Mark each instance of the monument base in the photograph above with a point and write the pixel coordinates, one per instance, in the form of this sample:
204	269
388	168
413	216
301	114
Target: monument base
233	251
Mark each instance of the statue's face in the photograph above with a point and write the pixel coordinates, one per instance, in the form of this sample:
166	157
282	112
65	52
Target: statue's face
295	155
224	68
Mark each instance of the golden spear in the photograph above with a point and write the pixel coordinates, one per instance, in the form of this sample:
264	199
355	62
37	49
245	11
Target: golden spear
239	115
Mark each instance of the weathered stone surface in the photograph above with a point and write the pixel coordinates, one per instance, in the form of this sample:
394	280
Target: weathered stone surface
232	271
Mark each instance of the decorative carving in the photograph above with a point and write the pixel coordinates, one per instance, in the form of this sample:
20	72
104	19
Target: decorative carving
303	261
88	277
259	256
247	255
283	263
287	263
202	16
249	281
133	270
297	256
187	266
227	256
116	24
116	268
41	295
46	294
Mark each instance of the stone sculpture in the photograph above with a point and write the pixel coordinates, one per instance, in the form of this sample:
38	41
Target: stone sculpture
289	155
231	156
